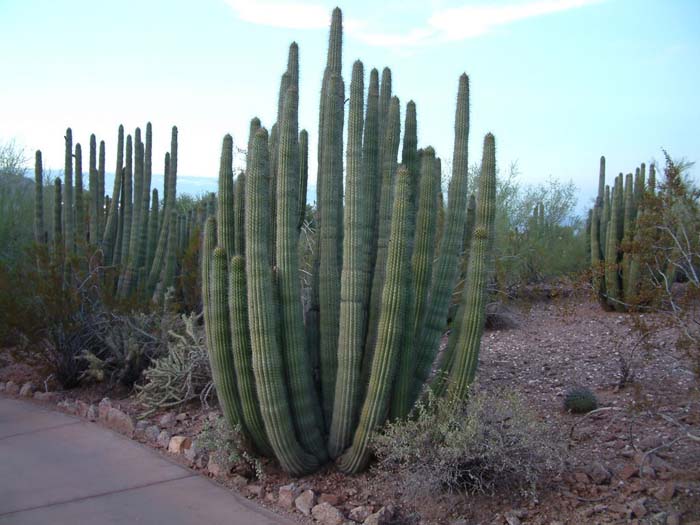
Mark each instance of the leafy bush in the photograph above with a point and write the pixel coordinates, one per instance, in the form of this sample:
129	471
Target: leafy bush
182	374
538	235
484	444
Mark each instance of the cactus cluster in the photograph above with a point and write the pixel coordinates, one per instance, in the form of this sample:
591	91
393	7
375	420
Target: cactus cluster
613	230
310	374
137	246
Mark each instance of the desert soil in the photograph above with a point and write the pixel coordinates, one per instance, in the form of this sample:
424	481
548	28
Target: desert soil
635	460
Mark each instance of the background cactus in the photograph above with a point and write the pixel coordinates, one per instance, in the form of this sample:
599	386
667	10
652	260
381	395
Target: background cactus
612	230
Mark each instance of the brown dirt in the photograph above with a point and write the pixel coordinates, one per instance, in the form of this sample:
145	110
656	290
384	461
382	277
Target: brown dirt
556	344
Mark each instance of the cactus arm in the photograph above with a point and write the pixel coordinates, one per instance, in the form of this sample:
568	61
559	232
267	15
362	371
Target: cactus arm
389	338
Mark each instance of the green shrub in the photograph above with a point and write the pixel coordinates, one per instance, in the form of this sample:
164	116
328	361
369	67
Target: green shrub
484	444
227	446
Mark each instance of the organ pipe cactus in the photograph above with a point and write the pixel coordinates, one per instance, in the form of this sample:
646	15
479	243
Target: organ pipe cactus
325	379
39	234
614	240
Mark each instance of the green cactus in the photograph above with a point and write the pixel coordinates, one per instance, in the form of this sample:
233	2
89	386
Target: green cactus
601	183
152	229
239	215
170	191
128	205
242	356
94	191
446	269
39	233
219	343
58	247
303	174
304	403
331	171
101	205
354	279
421	267
474	301
612	245
580	400
371	168
68	212
389	150
225	212
389	337
268	362
110	231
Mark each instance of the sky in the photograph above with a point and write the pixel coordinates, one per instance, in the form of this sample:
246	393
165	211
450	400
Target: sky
558	82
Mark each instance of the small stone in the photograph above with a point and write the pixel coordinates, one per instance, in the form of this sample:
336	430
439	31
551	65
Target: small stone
673	519
103	408
181	417
214	468
93	413
12	388
361	513
257	491
327	514
628	471
164	439
239	481
67	406
460	521
382	517
141	427
192	452
121	422
333	499
638	509
151	433
665	492
581	477
202	462
598	473
305	502
512	519
49	397
650	442
167	420
178	444
81	408
287	495
27	389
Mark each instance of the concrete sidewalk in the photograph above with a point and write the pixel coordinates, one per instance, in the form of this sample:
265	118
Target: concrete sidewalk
60	469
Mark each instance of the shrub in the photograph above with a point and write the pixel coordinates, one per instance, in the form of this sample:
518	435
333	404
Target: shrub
227	446
182	374
484	444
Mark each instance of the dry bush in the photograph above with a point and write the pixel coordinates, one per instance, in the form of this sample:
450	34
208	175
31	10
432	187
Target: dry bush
483	445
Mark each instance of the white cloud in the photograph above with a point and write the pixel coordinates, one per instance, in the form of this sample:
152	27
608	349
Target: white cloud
470	21
443	25
293	15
